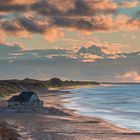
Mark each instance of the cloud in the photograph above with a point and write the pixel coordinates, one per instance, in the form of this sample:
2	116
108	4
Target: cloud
73	23
65	61
93	53
130	76
53	34
50	17
101	49
104	52
12	28
31	25
11	6
20	2
97	23
137	15
39	54
129	4
94	50
52	29
6	49
86	57
62	5
73	7
98	51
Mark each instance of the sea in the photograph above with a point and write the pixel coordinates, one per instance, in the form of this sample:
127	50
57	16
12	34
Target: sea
118	104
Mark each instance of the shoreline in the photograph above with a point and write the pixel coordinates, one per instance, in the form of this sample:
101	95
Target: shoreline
61	123
66	99
103	119
60	100
74	87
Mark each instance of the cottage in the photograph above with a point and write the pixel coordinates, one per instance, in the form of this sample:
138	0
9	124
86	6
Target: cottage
26	98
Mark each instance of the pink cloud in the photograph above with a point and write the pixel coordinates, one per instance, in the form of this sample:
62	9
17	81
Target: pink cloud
130	76
51	17
20	2
102	5
129	4
63	5
53	34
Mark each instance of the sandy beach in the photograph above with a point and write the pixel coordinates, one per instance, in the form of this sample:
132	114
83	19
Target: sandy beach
55	122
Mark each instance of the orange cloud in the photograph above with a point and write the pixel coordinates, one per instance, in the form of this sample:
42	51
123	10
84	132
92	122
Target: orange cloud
50	17
116	56
126	4
63	5
20	2
99	23
88	41
53	34
130	76
90	56
102	5
126	23
13	29
119	23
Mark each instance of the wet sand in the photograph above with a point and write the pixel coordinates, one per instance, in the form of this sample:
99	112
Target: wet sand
58	123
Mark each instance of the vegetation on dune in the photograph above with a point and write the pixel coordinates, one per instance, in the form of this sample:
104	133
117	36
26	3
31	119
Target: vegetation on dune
10	87
55	82
7	89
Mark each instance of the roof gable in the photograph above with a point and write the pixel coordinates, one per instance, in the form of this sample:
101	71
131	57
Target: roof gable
14	99
25	96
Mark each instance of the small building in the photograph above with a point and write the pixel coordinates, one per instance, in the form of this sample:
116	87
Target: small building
26	98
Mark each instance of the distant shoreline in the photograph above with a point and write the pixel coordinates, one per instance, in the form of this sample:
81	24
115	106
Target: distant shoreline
118	83
74	87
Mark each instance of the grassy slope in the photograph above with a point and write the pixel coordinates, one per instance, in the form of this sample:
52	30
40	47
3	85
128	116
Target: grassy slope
10	87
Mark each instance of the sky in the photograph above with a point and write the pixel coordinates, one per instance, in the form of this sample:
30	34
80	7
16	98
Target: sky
70	39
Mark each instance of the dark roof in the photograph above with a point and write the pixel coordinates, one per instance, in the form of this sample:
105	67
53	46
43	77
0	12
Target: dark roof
14	98
26	95
23	97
